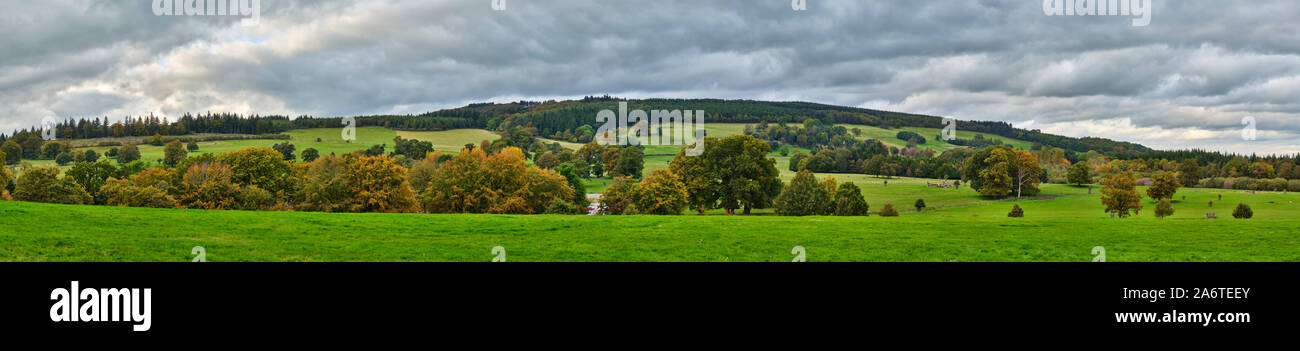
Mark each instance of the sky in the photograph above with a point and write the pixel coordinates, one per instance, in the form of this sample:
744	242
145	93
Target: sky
1193	77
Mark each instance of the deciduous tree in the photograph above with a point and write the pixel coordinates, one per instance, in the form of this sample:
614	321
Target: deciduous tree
1120	195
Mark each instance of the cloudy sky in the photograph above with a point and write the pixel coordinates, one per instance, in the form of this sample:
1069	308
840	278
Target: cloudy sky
1186	80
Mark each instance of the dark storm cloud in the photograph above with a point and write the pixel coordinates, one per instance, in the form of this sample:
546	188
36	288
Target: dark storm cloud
1186	80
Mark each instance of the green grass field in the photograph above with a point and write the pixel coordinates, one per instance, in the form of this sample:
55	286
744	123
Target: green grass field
1063	224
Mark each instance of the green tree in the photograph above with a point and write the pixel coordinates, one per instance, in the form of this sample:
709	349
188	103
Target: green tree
849	201
91	176
803	196
91	156
42	184
1120	195
173	153
1189	172
127	154
52	150
157	140
310	154
745	177
1163	186
192	146
547	161
262	167
13	152
630	162
920	205
697	180
286	150
1079	174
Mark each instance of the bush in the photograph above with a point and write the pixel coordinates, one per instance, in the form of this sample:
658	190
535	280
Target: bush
64	158
920	205
888	211
561	206
1164	208
1016	212
128	193
252	198
6	179
192	146
91	156
1293	185
1244	183
112	152
1243	211
618	196
849	201
42	184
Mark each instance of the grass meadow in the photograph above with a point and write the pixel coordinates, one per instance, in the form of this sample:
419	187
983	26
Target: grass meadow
1063	223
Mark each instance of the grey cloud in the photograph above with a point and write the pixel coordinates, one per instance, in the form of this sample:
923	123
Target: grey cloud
1200	65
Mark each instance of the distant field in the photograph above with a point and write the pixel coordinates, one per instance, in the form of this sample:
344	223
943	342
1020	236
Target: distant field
1065	228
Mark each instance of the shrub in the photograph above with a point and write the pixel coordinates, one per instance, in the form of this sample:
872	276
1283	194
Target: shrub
562	206
1244	183
91	156
252	198
849	201
888	211
192	146
1164	208
6	178
1243	211
618	196
920	205
42	184
63	159
1016	212
119	192
1293	185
